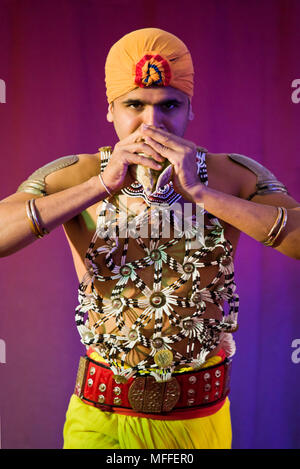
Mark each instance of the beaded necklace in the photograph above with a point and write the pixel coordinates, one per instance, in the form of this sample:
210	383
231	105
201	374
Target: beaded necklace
155	301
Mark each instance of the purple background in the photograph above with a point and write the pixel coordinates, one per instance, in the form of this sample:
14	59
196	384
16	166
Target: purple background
246	55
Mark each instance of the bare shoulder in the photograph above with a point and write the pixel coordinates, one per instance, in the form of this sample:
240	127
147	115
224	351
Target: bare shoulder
228	176
57	175
86	166
234	176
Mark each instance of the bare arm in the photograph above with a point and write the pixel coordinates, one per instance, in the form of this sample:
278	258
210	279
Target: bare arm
54	210
70	191
255	218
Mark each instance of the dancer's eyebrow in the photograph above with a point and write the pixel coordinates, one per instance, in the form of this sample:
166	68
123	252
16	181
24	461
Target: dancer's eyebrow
128	102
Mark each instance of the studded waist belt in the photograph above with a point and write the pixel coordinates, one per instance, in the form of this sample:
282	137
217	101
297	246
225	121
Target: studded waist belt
189	394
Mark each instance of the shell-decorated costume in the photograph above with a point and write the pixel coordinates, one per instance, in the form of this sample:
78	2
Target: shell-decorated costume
176	295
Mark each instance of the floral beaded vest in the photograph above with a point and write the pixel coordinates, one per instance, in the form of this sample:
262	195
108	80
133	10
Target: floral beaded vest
156	305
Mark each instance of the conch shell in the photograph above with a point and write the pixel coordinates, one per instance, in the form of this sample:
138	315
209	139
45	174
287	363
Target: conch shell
151	179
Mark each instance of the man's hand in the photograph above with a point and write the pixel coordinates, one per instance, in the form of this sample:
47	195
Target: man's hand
181	154
116	175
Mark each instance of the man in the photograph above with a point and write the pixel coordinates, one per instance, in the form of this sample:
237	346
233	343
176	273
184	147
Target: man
151	305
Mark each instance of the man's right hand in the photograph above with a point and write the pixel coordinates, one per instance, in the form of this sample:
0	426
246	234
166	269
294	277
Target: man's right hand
116	175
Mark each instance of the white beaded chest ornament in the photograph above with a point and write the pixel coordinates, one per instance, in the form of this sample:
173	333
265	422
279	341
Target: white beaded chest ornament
157	302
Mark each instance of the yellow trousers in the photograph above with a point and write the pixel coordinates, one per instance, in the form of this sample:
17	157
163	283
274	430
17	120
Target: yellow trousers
87	427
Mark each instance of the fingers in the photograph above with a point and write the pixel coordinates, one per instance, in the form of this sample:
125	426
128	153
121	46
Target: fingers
159	147
164	138
134	158
142	147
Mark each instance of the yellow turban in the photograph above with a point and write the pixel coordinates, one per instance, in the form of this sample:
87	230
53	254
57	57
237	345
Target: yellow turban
148	57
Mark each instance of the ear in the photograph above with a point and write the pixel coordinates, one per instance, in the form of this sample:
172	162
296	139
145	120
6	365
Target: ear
110	116
191	114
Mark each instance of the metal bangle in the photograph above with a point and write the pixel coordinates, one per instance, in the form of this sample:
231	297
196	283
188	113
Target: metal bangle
276	223
40	229
275	227
279	227
283	223
104	185
31	221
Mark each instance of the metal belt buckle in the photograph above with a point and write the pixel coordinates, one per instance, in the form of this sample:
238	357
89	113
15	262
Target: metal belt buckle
147	395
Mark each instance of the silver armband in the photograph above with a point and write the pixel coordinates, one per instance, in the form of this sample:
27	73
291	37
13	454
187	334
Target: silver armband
266	183
35	184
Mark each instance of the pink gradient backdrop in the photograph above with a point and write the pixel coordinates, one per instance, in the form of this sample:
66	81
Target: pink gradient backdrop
52	54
